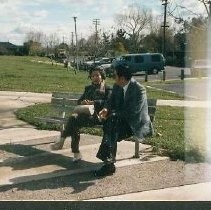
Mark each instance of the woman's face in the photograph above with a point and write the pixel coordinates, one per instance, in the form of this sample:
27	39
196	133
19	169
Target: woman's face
96	77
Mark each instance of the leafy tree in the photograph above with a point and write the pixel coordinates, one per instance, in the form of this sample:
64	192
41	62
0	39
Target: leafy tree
119	43
33	48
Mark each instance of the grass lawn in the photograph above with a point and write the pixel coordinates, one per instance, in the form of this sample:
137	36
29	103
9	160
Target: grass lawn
29	74
25	74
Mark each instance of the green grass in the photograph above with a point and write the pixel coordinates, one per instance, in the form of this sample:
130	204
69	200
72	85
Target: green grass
169	129
165	95
25	74
28	74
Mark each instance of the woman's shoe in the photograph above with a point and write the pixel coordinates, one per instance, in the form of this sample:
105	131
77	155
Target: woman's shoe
58	145
77	157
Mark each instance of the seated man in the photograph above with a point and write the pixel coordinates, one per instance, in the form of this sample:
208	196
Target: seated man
95	94
125	114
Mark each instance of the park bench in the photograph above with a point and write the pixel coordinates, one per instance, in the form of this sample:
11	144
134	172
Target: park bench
64	103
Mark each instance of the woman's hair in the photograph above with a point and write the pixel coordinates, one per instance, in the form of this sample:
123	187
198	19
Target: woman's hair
123	71
100	70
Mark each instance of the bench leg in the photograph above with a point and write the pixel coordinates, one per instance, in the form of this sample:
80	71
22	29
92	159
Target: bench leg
136	149
63	125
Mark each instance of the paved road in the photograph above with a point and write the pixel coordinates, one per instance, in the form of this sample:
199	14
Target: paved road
196	88
172	72
192	88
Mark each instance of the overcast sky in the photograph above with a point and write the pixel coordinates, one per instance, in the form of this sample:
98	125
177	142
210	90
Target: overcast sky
17	17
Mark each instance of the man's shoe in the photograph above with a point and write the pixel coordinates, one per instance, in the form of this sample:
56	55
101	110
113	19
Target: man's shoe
106	170
77	157
58	145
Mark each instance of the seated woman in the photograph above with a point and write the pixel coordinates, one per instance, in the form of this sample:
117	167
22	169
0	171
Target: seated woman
95	94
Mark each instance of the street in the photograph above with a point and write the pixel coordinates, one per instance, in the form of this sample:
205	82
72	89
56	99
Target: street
172	72
191	88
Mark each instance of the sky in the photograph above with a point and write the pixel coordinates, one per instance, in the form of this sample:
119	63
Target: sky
19	17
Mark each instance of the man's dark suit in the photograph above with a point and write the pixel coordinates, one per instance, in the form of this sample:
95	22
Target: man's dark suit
128	117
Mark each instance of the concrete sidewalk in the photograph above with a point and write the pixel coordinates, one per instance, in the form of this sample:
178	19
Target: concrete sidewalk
194	192
16	132
58	163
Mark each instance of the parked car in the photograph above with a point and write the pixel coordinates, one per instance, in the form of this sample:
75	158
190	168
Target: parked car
142	62
89	64
107	66
97	62
201	67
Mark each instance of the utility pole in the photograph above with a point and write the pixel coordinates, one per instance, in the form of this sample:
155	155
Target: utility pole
72	38
76	44
72	44
165	2
96	23
205	2
209	15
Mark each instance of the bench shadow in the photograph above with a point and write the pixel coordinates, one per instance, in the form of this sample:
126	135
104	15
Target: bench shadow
76	182
33	158
76	176
20	149
80	175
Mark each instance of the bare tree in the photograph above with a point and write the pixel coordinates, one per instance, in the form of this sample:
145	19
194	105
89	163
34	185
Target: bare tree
34	42
135	21
155	26
206	2
35	36
53	41
90	44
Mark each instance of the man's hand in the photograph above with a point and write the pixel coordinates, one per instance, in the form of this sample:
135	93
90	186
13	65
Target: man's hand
103	113
87	102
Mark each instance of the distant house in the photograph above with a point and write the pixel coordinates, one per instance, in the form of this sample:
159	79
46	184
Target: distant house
7	48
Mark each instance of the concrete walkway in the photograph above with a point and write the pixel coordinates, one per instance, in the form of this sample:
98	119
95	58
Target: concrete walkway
194	192
16	132
25	169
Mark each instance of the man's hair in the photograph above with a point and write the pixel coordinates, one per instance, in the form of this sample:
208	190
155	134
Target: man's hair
100	70
123	71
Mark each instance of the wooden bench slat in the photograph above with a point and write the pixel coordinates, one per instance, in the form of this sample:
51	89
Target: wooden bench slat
60	109
49	119
64	102
65	95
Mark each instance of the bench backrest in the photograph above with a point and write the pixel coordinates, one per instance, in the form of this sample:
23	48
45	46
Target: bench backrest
64	99
67	101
